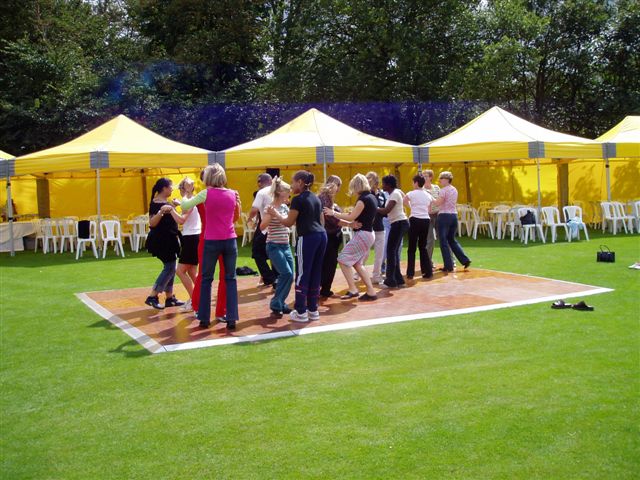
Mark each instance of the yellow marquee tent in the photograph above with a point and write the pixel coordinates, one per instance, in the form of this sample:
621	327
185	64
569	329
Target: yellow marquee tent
497	136
621	142
118	148
316	138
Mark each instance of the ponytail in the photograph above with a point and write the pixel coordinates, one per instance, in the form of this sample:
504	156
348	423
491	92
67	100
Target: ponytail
278	186
306	177
159	185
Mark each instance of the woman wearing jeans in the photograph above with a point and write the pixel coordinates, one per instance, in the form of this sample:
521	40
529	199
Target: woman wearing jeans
448	223
164	243
399	226
278	248
221	206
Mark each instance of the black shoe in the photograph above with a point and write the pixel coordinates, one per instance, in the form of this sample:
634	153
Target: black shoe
276	313
204	325
173	302
154	302
286	310
367	298
326	294
409	277
426	275
466	265
231	325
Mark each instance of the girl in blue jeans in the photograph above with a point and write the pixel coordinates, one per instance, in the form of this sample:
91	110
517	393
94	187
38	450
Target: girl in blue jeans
278	245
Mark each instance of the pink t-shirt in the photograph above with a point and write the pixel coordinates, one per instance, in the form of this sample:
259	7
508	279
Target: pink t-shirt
220	206
450	195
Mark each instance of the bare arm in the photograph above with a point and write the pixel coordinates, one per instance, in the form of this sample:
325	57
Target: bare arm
266	219
385	210
349	217
287	221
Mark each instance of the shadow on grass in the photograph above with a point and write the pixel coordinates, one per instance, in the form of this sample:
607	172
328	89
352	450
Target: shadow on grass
127	348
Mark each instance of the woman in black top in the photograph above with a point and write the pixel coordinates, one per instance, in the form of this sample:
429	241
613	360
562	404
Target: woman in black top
332	225
378	228
357	250
163	242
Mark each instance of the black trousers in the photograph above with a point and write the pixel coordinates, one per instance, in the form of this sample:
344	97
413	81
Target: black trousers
394	276
330	263
418	235
259	254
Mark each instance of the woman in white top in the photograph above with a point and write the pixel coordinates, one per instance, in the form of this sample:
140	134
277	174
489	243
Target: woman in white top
399	225
188	261
419	201
434	191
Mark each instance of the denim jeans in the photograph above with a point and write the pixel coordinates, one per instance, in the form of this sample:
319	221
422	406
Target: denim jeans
212	250
447	227
282	259
164	282
394	247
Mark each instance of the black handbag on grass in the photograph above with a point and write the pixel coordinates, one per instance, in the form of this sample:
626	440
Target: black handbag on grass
606	256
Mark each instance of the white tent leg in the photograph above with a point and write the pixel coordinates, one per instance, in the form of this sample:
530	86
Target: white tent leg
10	215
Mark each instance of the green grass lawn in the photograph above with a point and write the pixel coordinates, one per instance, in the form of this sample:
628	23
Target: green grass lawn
525	392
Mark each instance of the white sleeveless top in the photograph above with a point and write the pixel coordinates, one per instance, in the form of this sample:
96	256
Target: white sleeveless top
192	226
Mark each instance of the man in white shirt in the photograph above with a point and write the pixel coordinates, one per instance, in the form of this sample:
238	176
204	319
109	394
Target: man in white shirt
259	246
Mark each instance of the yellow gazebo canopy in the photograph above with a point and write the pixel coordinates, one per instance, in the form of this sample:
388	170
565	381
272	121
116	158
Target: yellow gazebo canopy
119	143
623	140
499	135
5	155
316	138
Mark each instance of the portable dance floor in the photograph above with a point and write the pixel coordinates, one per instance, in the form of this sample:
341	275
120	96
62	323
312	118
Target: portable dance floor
462	292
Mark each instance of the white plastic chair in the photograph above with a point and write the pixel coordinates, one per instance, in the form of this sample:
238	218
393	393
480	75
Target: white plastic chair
610	217
635	211
83	241
627	219
347	234
247	231
110	232
139	232
49	235
513	223
551	219
531	228
572	212
37	226
66	232
479	223
465	219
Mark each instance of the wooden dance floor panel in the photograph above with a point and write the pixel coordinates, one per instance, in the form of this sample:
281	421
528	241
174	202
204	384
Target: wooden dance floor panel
462	292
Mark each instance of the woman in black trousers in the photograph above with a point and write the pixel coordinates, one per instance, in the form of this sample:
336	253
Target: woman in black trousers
334	234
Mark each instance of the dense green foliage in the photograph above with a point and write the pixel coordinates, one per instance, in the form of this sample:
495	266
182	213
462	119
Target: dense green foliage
519	393
218	73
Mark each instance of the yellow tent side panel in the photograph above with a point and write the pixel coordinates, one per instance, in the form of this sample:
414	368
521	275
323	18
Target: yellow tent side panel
478	152
169	160
59	163
24	193
270	158
373	155
569	150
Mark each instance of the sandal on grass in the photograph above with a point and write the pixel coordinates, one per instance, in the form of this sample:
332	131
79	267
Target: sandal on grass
583	307
559	305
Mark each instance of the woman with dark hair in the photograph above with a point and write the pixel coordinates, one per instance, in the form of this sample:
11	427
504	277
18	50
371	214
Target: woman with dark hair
222	206
163	242
419	201
448	223
332	226
306	213
399	226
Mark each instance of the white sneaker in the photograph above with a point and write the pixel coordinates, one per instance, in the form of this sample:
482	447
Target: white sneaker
313	315
187	307
299	317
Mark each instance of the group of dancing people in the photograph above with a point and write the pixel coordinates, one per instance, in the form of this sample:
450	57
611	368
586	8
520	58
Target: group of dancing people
377	219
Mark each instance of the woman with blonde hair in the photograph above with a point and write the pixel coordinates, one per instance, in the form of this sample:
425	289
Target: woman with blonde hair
222	205
448	223
332	226
188	262
277	243
378	227
357	250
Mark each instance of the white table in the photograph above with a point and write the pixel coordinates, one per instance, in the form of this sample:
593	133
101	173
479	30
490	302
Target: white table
20	230
498	214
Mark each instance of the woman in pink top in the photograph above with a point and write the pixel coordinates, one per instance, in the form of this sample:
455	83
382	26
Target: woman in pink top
448	223
221	205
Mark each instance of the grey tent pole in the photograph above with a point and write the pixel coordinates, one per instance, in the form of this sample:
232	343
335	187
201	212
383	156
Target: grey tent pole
10	214
324	163
98	202
608	171
539	190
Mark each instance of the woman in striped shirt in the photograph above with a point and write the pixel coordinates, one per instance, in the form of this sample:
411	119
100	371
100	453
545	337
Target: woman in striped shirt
278	245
